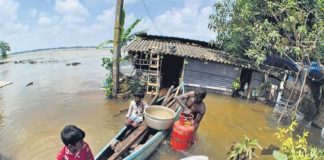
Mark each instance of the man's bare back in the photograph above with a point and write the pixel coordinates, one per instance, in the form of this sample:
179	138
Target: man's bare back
192	102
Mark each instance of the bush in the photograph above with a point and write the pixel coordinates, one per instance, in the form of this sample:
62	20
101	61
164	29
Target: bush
292	149
244	150
236	84
108	86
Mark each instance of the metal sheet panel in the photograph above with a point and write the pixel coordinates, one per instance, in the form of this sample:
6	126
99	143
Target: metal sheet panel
210	75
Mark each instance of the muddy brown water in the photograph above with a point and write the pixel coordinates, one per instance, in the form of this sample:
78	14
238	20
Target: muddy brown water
32	117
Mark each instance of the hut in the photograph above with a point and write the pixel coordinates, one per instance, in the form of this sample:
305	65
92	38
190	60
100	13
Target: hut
170	60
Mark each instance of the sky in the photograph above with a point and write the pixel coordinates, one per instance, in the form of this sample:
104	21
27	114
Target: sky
39	24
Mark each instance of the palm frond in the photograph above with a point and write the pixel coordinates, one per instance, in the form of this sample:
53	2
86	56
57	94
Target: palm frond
127	32
105	44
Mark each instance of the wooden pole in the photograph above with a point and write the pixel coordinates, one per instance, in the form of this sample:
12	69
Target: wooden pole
116	51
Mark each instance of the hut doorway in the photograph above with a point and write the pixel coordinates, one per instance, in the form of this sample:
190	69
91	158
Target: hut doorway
245	79
171	70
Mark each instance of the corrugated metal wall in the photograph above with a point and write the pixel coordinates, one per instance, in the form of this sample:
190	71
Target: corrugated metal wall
211	75
256	80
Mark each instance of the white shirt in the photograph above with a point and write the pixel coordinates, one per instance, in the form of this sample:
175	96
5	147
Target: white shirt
135	110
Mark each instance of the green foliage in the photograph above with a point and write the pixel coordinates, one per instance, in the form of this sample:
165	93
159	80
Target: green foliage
124	86
137	81
4	47
108	82
255	28
126	33
279	156
296	149
244	150
134	84
108	86
236	84
107	63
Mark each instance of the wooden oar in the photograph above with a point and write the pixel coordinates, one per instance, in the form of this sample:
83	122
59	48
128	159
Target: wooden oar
120	112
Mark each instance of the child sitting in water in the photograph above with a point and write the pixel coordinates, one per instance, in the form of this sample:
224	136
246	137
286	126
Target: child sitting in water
135	114
75	148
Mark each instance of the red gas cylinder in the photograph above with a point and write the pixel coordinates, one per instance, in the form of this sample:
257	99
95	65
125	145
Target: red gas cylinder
182	133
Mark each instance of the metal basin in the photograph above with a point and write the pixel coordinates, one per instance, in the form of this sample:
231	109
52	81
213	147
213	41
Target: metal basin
159	117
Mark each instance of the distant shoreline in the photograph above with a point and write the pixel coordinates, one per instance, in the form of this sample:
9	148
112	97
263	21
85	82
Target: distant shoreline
58	48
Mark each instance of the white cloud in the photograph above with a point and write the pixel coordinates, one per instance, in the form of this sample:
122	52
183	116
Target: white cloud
44	20
70	7
8	11
71	24
8	19
107	15
58	30
191	21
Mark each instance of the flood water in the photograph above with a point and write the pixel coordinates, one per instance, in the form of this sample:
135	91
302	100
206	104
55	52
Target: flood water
32	117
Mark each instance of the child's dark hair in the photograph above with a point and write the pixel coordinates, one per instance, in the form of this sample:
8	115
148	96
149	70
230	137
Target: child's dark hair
71	135
139	93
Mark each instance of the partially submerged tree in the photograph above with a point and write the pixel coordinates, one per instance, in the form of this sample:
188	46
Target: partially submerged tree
127	35
254	29
4	47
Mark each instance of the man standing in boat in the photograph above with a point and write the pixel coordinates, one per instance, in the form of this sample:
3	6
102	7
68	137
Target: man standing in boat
192	103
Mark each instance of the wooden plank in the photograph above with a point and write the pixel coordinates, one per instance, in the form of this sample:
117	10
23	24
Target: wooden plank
126	143
154	99
171	103
167	95
168	99
138	140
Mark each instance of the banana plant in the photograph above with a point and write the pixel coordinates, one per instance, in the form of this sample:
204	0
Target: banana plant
126	33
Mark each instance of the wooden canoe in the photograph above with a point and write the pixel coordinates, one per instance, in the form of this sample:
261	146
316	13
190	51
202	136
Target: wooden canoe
147	143
143	152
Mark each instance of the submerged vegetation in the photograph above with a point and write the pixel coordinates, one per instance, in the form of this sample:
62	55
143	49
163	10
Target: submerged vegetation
243	151
295	148
126	83
291	147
